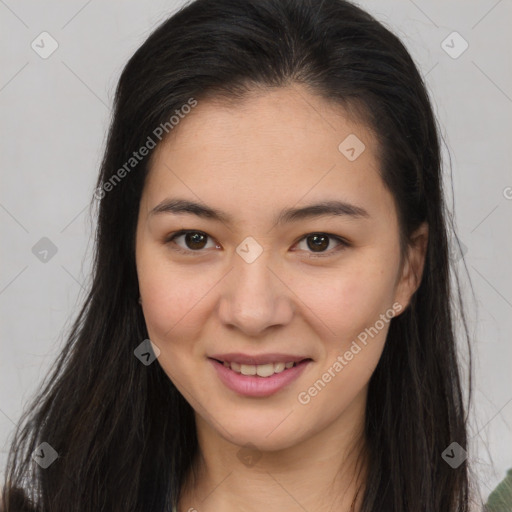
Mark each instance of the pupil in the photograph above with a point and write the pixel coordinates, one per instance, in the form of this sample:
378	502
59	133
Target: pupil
317	245
194	238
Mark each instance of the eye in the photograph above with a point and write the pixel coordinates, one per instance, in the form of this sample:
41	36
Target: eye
316	243
194	241
319	242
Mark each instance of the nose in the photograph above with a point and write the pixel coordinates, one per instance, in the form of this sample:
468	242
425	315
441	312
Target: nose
254	296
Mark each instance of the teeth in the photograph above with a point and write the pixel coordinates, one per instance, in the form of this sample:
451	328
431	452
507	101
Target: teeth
262	370
248	369
279	367
265	370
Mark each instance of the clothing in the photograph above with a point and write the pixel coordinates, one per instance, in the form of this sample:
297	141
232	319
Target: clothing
500	500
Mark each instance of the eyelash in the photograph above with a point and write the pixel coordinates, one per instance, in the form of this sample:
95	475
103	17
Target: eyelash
343	244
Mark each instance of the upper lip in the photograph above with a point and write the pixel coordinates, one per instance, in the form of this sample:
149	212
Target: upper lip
258	358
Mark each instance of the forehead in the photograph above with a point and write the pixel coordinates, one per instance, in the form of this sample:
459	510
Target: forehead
279	146
289	119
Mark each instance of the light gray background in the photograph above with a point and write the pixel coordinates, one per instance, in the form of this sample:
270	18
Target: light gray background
55	113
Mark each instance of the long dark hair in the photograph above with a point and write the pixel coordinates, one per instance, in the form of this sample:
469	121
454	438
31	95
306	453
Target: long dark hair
125	437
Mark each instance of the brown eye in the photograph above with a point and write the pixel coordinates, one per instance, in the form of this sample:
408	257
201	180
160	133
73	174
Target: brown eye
318	244
194	241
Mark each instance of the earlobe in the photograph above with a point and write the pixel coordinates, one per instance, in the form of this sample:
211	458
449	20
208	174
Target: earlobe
413	267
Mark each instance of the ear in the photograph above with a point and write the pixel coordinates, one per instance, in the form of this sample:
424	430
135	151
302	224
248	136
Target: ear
409	279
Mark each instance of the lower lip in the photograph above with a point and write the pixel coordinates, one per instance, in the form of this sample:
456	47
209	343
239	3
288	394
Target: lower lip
252	385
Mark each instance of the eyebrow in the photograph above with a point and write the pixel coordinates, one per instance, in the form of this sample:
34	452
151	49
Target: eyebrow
288	215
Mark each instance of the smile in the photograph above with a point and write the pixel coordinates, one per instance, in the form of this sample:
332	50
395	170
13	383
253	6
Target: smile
260	380
262	370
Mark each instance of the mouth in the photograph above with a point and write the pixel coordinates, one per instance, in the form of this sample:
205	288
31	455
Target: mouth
260	370
258	376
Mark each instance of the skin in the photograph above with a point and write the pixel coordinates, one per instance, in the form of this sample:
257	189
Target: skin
276	149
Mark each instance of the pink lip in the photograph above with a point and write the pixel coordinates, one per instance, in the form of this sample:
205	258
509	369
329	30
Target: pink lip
254	386
258	359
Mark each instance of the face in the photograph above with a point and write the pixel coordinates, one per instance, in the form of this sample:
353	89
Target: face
242	286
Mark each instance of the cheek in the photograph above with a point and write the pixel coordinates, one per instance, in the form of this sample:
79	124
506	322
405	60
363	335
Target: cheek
171	307
172	299
349	300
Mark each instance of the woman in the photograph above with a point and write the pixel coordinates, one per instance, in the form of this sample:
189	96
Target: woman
269	325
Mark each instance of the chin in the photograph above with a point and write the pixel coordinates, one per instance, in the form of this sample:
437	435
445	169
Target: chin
264	434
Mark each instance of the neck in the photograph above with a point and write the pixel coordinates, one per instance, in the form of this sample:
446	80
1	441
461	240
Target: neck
324	472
